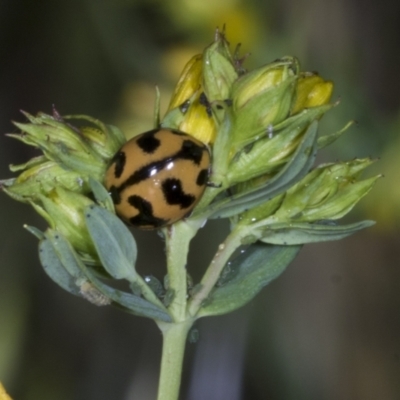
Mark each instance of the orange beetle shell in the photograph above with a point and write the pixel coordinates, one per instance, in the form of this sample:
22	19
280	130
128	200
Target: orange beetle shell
157	178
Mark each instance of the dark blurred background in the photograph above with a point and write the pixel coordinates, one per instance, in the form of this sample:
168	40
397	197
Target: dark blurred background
329	327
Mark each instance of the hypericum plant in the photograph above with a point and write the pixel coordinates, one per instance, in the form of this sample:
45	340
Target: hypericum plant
262	130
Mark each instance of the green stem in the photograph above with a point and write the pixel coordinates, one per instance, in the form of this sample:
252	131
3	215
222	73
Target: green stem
213	272
178	238
174	341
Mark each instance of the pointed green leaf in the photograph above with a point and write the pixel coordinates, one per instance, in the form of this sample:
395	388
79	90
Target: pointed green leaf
54	268
130	302
302	233
101	195
114	242
250	272
29	164
35	231
63	265
326	140
67	256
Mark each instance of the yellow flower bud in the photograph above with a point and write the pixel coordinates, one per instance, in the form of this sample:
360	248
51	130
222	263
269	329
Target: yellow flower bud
188	83
198	122
254	83
261	98
311	91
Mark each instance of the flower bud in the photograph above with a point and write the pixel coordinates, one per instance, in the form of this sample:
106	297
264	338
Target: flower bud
311	91
273	147
189	110
199	122
328	192
219	72
189	82
42	178
86	152
262	98
104	140
261	79
331	195
63	210
71	155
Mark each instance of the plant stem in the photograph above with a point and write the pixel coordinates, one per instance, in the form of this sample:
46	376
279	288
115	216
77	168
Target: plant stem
177	242
214	270
174	341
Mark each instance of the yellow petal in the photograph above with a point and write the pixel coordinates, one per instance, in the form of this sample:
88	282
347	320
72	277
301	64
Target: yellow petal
312	91
188	83
198	123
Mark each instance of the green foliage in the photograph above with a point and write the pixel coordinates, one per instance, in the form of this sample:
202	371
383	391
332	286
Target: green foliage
246	275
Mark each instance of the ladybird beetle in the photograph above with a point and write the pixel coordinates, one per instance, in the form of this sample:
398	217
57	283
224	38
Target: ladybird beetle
156	178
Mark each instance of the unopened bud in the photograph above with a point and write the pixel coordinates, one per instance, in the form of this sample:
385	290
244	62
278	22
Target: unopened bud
189	82
42	178
311	91
63	210
218	70
262	98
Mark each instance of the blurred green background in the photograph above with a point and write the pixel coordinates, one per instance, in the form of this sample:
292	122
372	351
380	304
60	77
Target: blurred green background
329	327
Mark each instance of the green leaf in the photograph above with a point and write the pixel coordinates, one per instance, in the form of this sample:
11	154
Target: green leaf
295	169
65	253
302	233
130	302
63	265
250	272
114	242
54	268
101	195
29	164
326	140
35	231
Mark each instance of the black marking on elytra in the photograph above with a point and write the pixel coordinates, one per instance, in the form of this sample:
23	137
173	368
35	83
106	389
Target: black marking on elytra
202	177
148	142
174	195
115	195
189	151
120	160
145	216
